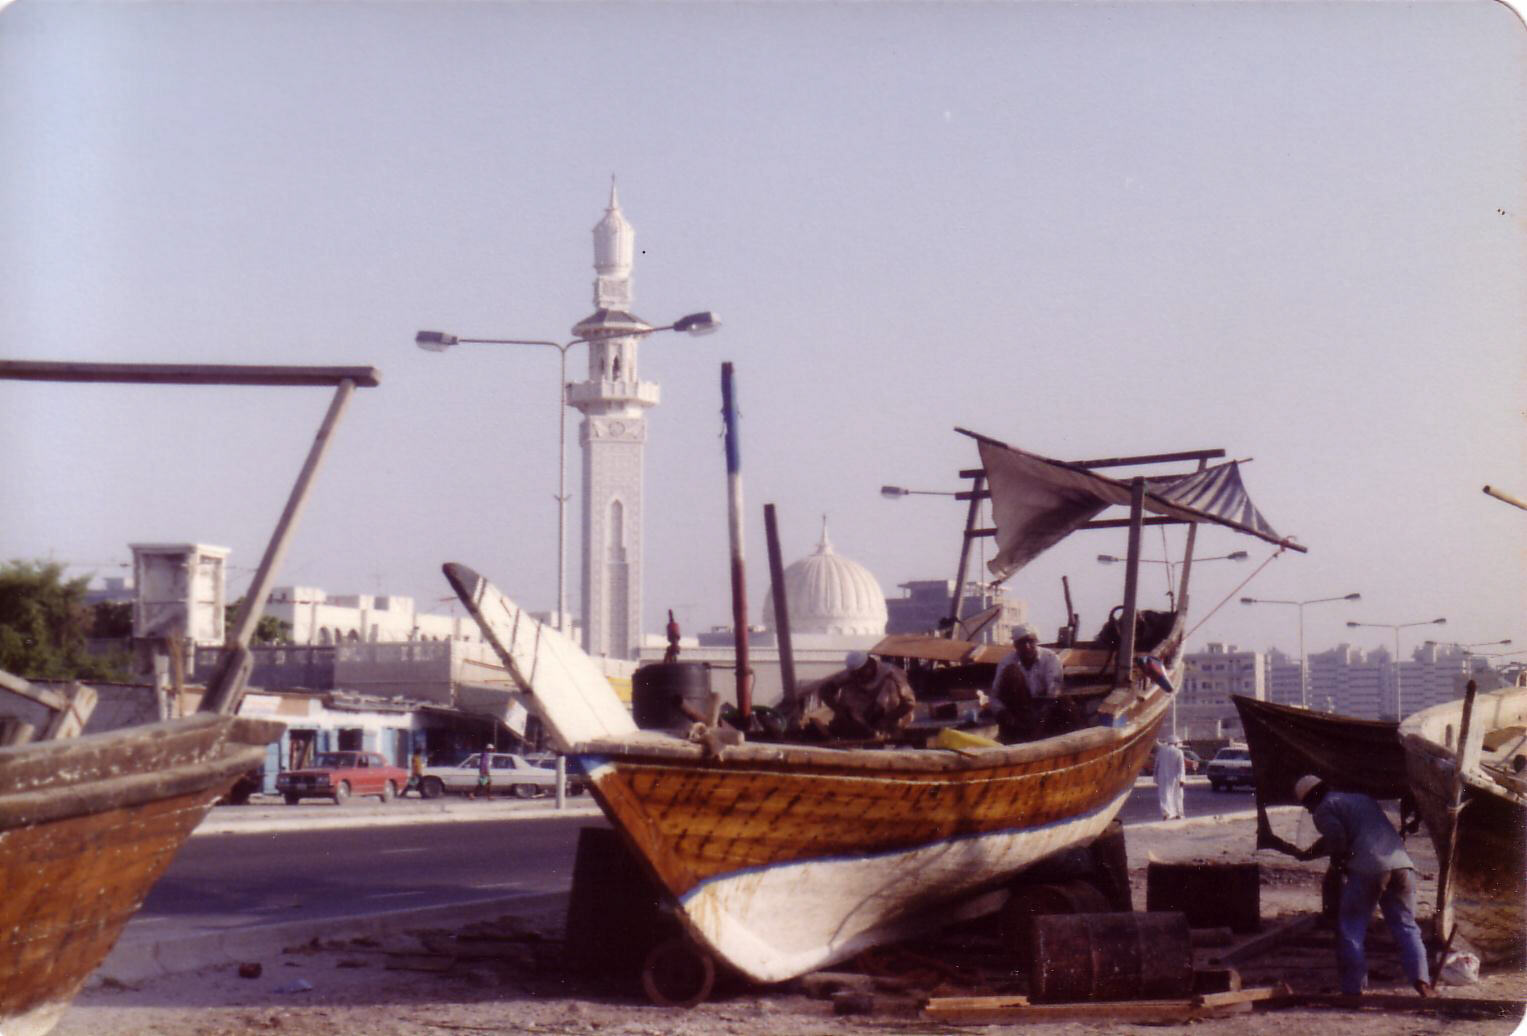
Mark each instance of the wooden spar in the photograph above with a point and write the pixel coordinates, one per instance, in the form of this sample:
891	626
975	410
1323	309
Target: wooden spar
734	528
781	607
1187	563
226	685
1072	622
1447	864
976	495
1131	583
185	374
1507	497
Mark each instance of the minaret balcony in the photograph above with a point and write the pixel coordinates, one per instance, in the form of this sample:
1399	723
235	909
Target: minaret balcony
605	391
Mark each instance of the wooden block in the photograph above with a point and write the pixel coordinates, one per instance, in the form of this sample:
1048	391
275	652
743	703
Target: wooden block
1016	1010
1216	980
1211	894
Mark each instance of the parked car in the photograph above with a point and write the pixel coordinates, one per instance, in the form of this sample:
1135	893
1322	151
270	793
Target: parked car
512	775
1229	767
338	775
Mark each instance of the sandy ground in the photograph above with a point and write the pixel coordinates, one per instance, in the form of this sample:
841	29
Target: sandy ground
524	987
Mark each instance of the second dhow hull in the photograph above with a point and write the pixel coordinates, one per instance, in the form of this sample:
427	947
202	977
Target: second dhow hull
783	861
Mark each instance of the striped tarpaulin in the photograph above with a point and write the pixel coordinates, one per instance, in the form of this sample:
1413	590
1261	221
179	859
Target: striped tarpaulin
1217	491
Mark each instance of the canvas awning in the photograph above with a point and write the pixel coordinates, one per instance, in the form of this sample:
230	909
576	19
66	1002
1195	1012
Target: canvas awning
1037	502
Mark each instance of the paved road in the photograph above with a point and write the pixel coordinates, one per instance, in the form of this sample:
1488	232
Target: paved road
225	880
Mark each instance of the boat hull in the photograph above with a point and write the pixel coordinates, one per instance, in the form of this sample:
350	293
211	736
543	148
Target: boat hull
784	861
1488	879
80	850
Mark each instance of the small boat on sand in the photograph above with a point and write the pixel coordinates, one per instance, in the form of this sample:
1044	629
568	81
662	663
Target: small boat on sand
1287	742
1467	763
781	858
89	823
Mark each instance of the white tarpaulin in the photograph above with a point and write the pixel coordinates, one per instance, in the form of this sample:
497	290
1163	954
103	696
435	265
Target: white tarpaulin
1037	502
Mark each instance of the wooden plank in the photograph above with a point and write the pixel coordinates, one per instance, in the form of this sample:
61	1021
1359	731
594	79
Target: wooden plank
1244	996
41	695
70	721
1260	944
1406	1003
185	374
1017	1010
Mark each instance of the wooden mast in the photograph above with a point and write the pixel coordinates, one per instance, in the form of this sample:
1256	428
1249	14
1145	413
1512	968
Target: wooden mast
1131	584
781	608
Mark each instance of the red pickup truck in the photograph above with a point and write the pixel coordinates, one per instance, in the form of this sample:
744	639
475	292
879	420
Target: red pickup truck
338	775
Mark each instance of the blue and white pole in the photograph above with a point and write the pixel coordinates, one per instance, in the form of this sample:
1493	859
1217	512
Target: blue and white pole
734	528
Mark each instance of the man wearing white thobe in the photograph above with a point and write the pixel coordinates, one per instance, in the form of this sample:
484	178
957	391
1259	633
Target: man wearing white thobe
1169	773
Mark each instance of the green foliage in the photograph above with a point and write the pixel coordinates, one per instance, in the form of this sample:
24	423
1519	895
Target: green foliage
44	622
269	630
112	619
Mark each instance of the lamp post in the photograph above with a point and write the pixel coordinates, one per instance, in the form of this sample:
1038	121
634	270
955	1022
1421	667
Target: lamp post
438	341
1468	649
896	492
1399	708
1304	676
1171	568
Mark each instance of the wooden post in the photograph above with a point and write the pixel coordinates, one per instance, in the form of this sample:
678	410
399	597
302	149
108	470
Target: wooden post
1131	584
226	685
1464	758
781	608
978	484
734	528
1187	561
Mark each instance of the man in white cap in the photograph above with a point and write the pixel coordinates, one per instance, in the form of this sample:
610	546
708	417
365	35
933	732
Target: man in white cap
1355	833
1026	687
1170	765
868	699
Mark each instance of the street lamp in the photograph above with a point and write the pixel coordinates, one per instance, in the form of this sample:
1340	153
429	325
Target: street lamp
1468	649
702	323
895	492
1304	676
1171	568
1399	710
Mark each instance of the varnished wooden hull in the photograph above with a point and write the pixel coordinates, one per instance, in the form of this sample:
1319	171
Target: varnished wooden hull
783	860
1489	878
86	828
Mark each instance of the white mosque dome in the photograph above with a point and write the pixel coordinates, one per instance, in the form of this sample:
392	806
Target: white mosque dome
830	594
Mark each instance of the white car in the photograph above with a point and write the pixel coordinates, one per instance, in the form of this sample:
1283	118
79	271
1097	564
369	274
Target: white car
1231	766
512	775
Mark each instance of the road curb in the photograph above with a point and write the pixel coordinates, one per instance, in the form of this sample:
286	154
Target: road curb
309	818
138	960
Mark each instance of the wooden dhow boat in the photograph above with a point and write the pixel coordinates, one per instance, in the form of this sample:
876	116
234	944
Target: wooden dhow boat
89	823
783	858
1287	742
1467	762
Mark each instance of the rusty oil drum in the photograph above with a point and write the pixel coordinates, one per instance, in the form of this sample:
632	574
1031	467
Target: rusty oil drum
1110	957
1015	920
661	691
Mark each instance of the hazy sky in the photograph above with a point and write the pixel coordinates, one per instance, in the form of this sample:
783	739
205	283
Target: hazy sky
1294	231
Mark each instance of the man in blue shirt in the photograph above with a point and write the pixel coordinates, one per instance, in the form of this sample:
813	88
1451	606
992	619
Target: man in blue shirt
1357	835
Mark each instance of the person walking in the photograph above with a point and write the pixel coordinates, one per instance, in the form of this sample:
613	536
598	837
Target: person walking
1357	835
1170	767
484	787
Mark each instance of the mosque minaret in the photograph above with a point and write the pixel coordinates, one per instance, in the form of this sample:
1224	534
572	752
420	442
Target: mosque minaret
613	401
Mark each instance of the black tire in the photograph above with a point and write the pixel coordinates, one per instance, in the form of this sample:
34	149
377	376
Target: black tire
292	800
523	791
342	793
431	788
389	792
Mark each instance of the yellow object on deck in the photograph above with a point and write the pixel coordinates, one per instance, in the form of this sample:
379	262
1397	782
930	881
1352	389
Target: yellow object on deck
959	739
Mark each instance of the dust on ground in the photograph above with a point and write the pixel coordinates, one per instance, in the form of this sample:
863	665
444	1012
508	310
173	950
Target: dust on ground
409	984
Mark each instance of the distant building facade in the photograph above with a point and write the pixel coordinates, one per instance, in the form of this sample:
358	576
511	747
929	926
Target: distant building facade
925	607
1204	709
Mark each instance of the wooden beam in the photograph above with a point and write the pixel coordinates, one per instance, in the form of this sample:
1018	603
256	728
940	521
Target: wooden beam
51	700
71	720
1259	944
986	1010
185	374
1406	1003
1150	458
1123	523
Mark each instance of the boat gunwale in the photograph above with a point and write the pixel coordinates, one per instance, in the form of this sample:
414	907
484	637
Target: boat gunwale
668	748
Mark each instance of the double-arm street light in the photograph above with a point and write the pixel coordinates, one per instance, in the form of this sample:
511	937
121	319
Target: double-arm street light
894	492
1171	567
1399	707
438	341
1304	677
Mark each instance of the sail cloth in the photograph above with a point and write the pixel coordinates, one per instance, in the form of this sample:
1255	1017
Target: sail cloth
1037	502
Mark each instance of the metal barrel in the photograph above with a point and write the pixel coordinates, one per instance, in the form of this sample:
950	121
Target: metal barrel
1015	921
666	695
1110	957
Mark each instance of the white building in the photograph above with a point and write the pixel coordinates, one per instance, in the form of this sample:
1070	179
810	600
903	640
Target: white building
1204	709
613	401
835	605
315	617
